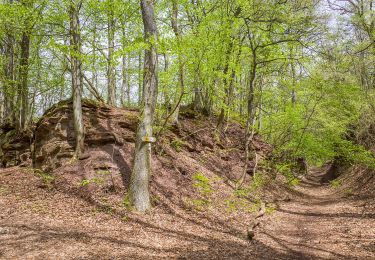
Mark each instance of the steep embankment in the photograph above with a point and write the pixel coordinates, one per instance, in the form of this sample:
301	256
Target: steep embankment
192	197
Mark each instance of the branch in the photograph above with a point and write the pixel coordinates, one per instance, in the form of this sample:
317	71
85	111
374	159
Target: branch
368	46
170	114
277	42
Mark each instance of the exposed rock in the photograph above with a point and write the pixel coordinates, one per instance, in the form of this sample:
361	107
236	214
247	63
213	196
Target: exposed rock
15	148
54	139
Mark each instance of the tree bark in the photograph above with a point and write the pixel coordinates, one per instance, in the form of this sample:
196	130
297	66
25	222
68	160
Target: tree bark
140	80
9	76
139	184
94	76
76	71
181	84
125	84
111	73
23	92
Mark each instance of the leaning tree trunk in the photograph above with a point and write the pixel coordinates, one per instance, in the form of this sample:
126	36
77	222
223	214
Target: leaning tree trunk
76	66
139	184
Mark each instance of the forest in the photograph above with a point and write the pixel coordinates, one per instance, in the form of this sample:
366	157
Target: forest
187	129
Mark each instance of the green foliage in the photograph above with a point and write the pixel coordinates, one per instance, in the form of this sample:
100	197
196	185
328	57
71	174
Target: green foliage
177	144
127	203
286	170
200	204
47	178
234	204
253	188
94	180
203	184
335	183
355	154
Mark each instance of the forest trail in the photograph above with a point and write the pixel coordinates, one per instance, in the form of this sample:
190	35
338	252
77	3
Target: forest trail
317	223
321	223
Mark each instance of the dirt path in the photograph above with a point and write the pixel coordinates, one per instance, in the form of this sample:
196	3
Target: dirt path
321	223
38	223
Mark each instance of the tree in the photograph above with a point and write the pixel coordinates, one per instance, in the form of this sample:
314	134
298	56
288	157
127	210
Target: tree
23	93
139	185
77	77
111	73
181	83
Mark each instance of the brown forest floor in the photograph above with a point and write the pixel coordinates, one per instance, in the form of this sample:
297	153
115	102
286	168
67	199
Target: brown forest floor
317	223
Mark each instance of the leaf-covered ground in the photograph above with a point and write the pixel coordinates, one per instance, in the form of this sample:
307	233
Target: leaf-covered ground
317	222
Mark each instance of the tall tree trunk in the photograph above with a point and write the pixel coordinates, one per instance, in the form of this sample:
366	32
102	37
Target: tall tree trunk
140	77
2	103
23	91
181	84
125	84
9	77
250	123
111	73
94	76
139	184
76	70
197	98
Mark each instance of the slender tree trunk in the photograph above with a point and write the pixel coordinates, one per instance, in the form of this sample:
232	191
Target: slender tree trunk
76	71
2	103
197	99
94	76
139	185
128	79
124	82
140	81
125	85
9	77
250	123
181	84
111	73
293	71
23	91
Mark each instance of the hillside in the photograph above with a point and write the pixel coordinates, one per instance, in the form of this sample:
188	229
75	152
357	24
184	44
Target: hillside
79	209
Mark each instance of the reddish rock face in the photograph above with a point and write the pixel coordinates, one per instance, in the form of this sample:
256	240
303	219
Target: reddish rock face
54	133
15	148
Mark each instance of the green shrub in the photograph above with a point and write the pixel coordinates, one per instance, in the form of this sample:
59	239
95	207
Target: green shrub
286	170
177	144
335	183
202	184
